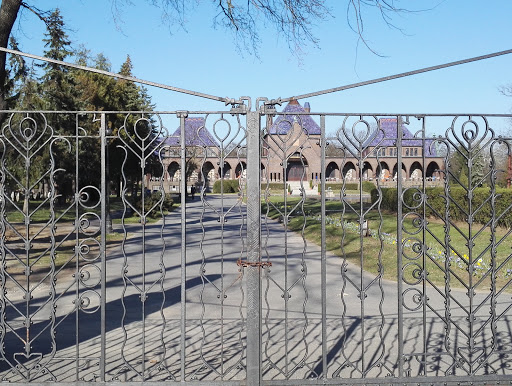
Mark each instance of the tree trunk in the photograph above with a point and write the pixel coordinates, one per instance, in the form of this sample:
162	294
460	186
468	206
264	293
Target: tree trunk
8	12
26	203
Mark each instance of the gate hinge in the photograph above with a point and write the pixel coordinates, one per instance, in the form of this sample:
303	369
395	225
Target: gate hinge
269	107
245	263
237	106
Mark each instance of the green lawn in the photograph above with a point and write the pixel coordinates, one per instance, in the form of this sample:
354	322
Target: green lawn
39	232
40	212
343	239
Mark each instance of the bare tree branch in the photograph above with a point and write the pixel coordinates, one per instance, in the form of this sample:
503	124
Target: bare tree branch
42	15
356	13
506	90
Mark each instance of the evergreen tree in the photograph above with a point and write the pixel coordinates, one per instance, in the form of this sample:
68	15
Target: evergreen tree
130	97
58	86
59	93
460	160
17	72
99	92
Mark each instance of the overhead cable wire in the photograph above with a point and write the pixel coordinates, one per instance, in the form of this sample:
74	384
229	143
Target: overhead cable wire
396	76
281	100
115	75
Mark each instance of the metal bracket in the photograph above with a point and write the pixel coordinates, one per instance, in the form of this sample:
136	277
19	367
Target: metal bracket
237	106
269	107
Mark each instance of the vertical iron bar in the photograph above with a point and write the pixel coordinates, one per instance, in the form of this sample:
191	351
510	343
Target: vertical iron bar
362	287
143	257
108	217
399	220
103	144
77	256
253	250
183	193
285	297
26	219
424	242
323	144
471	291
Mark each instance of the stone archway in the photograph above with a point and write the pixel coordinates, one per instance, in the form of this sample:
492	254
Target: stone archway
383	171
225	172
395	172
367	171
296	167
416	171
174	171
433	171
349	171
241	170
332	171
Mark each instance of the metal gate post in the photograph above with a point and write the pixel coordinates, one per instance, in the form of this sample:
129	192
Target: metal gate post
253	270
104	197
399	246
182	115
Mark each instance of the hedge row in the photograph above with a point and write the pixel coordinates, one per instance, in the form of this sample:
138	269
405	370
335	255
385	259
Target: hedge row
366	186
436	203
274	186
230	186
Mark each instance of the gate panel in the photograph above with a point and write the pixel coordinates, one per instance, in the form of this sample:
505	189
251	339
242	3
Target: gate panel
400	296
320	248
51	272
180	314
467	335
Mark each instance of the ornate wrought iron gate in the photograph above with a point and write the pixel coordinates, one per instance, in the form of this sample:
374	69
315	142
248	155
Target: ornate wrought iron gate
276	283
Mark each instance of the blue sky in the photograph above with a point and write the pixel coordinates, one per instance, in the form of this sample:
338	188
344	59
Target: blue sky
205	59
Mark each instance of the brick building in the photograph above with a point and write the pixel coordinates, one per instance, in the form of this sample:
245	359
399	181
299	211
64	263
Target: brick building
291	153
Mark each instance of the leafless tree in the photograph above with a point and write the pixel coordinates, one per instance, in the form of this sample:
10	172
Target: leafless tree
292	19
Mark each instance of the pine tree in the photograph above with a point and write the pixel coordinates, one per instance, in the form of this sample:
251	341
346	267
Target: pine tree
130	97
58	92
59	88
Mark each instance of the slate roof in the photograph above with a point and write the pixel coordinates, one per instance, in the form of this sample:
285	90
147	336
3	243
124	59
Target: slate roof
388	138
196	134
282	123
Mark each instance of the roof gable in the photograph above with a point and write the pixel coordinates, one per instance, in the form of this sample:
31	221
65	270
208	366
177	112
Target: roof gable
196	134
387	135
284	122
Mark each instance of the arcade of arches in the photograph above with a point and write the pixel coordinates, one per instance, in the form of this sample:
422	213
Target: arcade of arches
299	168
301	160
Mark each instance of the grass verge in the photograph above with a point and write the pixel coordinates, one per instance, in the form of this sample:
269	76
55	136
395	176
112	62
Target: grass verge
430	249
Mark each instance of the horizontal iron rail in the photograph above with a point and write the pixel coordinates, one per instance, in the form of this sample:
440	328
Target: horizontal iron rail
431	381
191	112
405	381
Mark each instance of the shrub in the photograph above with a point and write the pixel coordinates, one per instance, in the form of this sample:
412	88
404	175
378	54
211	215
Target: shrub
274	186
155	200
458	203
366	186
226	186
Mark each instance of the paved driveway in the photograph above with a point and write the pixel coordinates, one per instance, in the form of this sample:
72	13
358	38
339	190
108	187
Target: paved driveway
145	331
